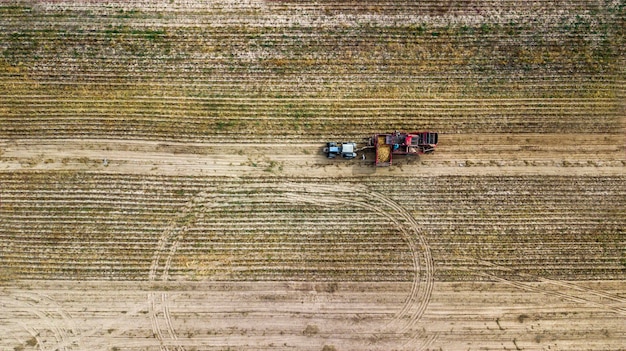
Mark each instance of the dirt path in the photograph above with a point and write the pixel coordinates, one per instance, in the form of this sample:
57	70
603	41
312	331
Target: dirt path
487	154
282	316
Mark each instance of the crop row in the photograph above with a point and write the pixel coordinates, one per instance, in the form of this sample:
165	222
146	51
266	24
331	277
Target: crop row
554	227
160	71
367	11
115	45
250	44
202	33
68	57
201	119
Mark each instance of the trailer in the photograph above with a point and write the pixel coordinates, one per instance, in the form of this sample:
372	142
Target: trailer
402	143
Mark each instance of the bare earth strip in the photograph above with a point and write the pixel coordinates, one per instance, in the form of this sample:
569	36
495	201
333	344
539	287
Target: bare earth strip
473	154
277	315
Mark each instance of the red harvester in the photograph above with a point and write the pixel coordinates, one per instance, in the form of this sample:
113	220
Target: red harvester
401	143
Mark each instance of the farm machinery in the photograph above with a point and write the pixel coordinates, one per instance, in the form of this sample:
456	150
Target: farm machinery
387	145
346	150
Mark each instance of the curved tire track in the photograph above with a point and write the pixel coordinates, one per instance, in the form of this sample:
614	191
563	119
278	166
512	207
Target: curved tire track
163	255
168	242
419	297
415	303
168	318
51	316
46	315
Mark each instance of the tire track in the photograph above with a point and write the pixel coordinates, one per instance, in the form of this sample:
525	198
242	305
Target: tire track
165	239
140	309
50	315
572	286
421	342
565	296
34	335
171	253
598	293
164	254
19	304
416	303
10	338
528	287
61	335
158	306
172	235
415	283
168	317
152	313
168	321
423	299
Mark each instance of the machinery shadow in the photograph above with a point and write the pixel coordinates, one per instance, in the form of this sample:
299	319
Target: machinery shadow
364	167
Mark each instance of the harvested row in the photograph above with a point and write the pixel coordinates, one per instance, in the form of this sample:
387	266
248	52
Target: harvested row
52	233
559	227
555	227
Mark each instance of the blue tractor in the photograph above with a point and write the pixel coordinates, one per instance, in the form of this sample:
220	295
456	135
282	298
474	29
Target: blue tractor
346	150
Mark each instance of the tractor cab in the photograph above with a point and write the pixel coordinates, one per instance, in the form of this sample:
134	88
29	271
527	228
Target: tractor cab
346	150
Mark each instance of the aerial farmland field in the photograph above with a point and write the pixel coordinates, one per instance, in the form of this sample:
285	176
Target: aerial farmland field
163	185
